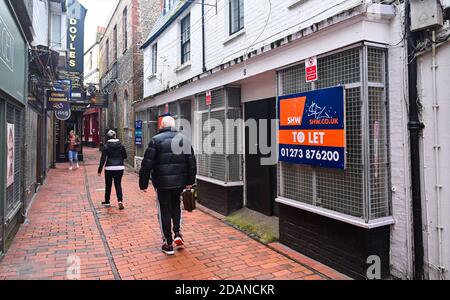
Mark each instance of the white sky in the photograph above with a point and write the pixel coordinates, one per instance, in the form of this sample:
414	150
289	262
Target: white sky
98	13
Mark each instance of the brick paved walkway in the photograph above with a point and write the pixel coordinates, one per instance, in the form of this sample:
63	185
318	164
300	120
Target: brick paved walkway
66	224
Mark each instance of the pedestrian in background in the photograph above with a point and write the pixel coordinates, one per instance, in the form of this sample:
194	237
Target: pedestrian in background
171	173
113	156
73	143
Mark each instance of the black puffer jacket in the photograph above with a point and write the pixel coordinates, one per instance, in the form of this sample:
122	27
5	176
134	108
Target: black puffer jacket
113	155
167	169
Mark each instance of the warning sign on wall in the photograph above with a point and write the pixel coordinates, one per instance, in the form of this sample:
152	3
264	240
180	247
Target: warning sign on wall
311	69
208	98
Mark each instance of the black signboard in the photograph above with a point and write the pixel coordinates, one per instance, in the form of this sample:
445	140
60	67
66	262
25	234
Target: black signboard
96	97
57	101
76	14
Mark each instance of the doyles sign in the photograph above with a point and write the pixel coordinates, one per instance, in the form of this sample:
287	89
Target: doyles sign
311	69
76	14
312	128
75	36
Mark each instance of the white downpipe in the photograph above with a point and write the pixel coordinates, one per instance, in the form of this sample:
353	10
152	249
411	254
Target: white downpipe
437	148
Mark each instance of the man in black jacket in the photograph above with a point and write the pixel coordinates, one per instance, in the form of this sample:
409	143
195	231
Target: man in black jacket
170	161
113	155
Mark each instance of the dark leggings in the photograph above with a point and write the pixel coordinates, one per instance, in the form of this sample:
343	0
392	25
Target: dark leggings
117	177
169	211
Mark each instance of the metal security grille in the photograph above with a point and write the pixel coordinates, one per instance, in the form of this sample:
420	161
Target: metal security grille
14	193
378	128
31	144
345	191
225	107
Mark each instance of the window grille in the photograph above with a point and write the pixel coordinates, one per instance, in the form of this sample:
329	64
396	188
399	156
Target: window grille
361	190
225	166
186	39
14	193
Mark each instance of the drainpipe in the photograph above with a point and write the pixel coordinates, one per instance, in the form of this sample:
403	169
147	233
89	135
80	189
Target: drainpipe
437	163
203	36
415	127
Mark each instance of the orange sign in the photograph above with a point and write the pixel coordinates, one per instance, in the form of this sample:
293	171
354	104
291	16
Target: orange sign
315	137
291	111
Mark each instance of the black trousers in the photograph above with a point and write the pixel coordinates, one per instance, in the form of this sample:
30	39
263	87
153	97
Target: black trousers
115	176
169	210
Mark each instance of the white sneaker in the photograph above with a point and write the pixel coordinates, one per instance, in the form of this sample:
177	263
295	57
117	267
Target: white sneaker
71	168
78	165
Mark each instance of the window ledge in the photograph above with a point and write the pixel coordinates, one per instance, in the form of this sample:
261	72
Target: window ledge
336	215
183	67
220	182
152	76
294	3
234	36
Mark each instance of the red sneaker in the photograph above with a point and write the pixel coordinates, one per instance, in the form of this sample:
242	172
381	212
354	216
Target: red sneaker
178	241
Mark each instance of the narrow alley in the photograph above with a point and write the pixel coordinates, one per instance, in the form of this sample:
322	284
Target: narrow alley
67	226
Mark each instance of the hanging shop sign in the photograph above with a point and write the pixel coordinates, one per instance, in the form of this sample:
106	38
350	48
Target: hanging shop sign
63	115
57	101
95	97
138	132
311	69
10	155
312	128
76	14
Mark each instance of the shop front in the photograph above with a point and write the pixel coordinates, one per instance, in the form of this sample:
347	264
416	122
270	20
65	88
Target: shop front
333	171
13	87
219	150
91	137
63	128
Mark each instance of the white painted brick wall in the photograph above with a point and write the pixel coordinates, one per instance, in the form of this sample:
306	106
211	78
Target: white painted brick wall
401	232
282	22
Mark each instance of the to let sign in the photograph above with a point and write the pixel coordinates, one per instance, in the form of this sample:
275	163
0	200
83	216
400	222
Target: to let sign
312	128
311	69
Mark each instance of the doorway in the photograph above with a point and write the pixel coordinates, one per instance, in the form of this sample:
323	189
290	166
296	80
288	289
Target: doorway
261	180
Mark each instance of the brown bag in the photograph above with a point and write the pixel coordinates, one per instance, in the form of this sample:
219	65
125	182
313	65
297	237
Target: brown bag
188	200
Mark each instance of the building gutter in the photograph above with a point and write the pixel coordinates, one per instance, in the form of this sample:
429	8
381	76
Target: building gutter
415	127
203	37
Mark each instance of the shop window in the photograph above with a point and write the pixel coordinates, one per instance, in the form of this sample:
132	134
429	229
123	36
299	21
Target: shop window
226	165
155	58
14	190
126	111
125	29
115	45
56	32
236	16
185	39
361	190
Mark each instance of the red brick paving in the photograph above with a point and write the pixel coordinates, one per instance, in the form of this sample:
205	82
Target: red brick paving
61	223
